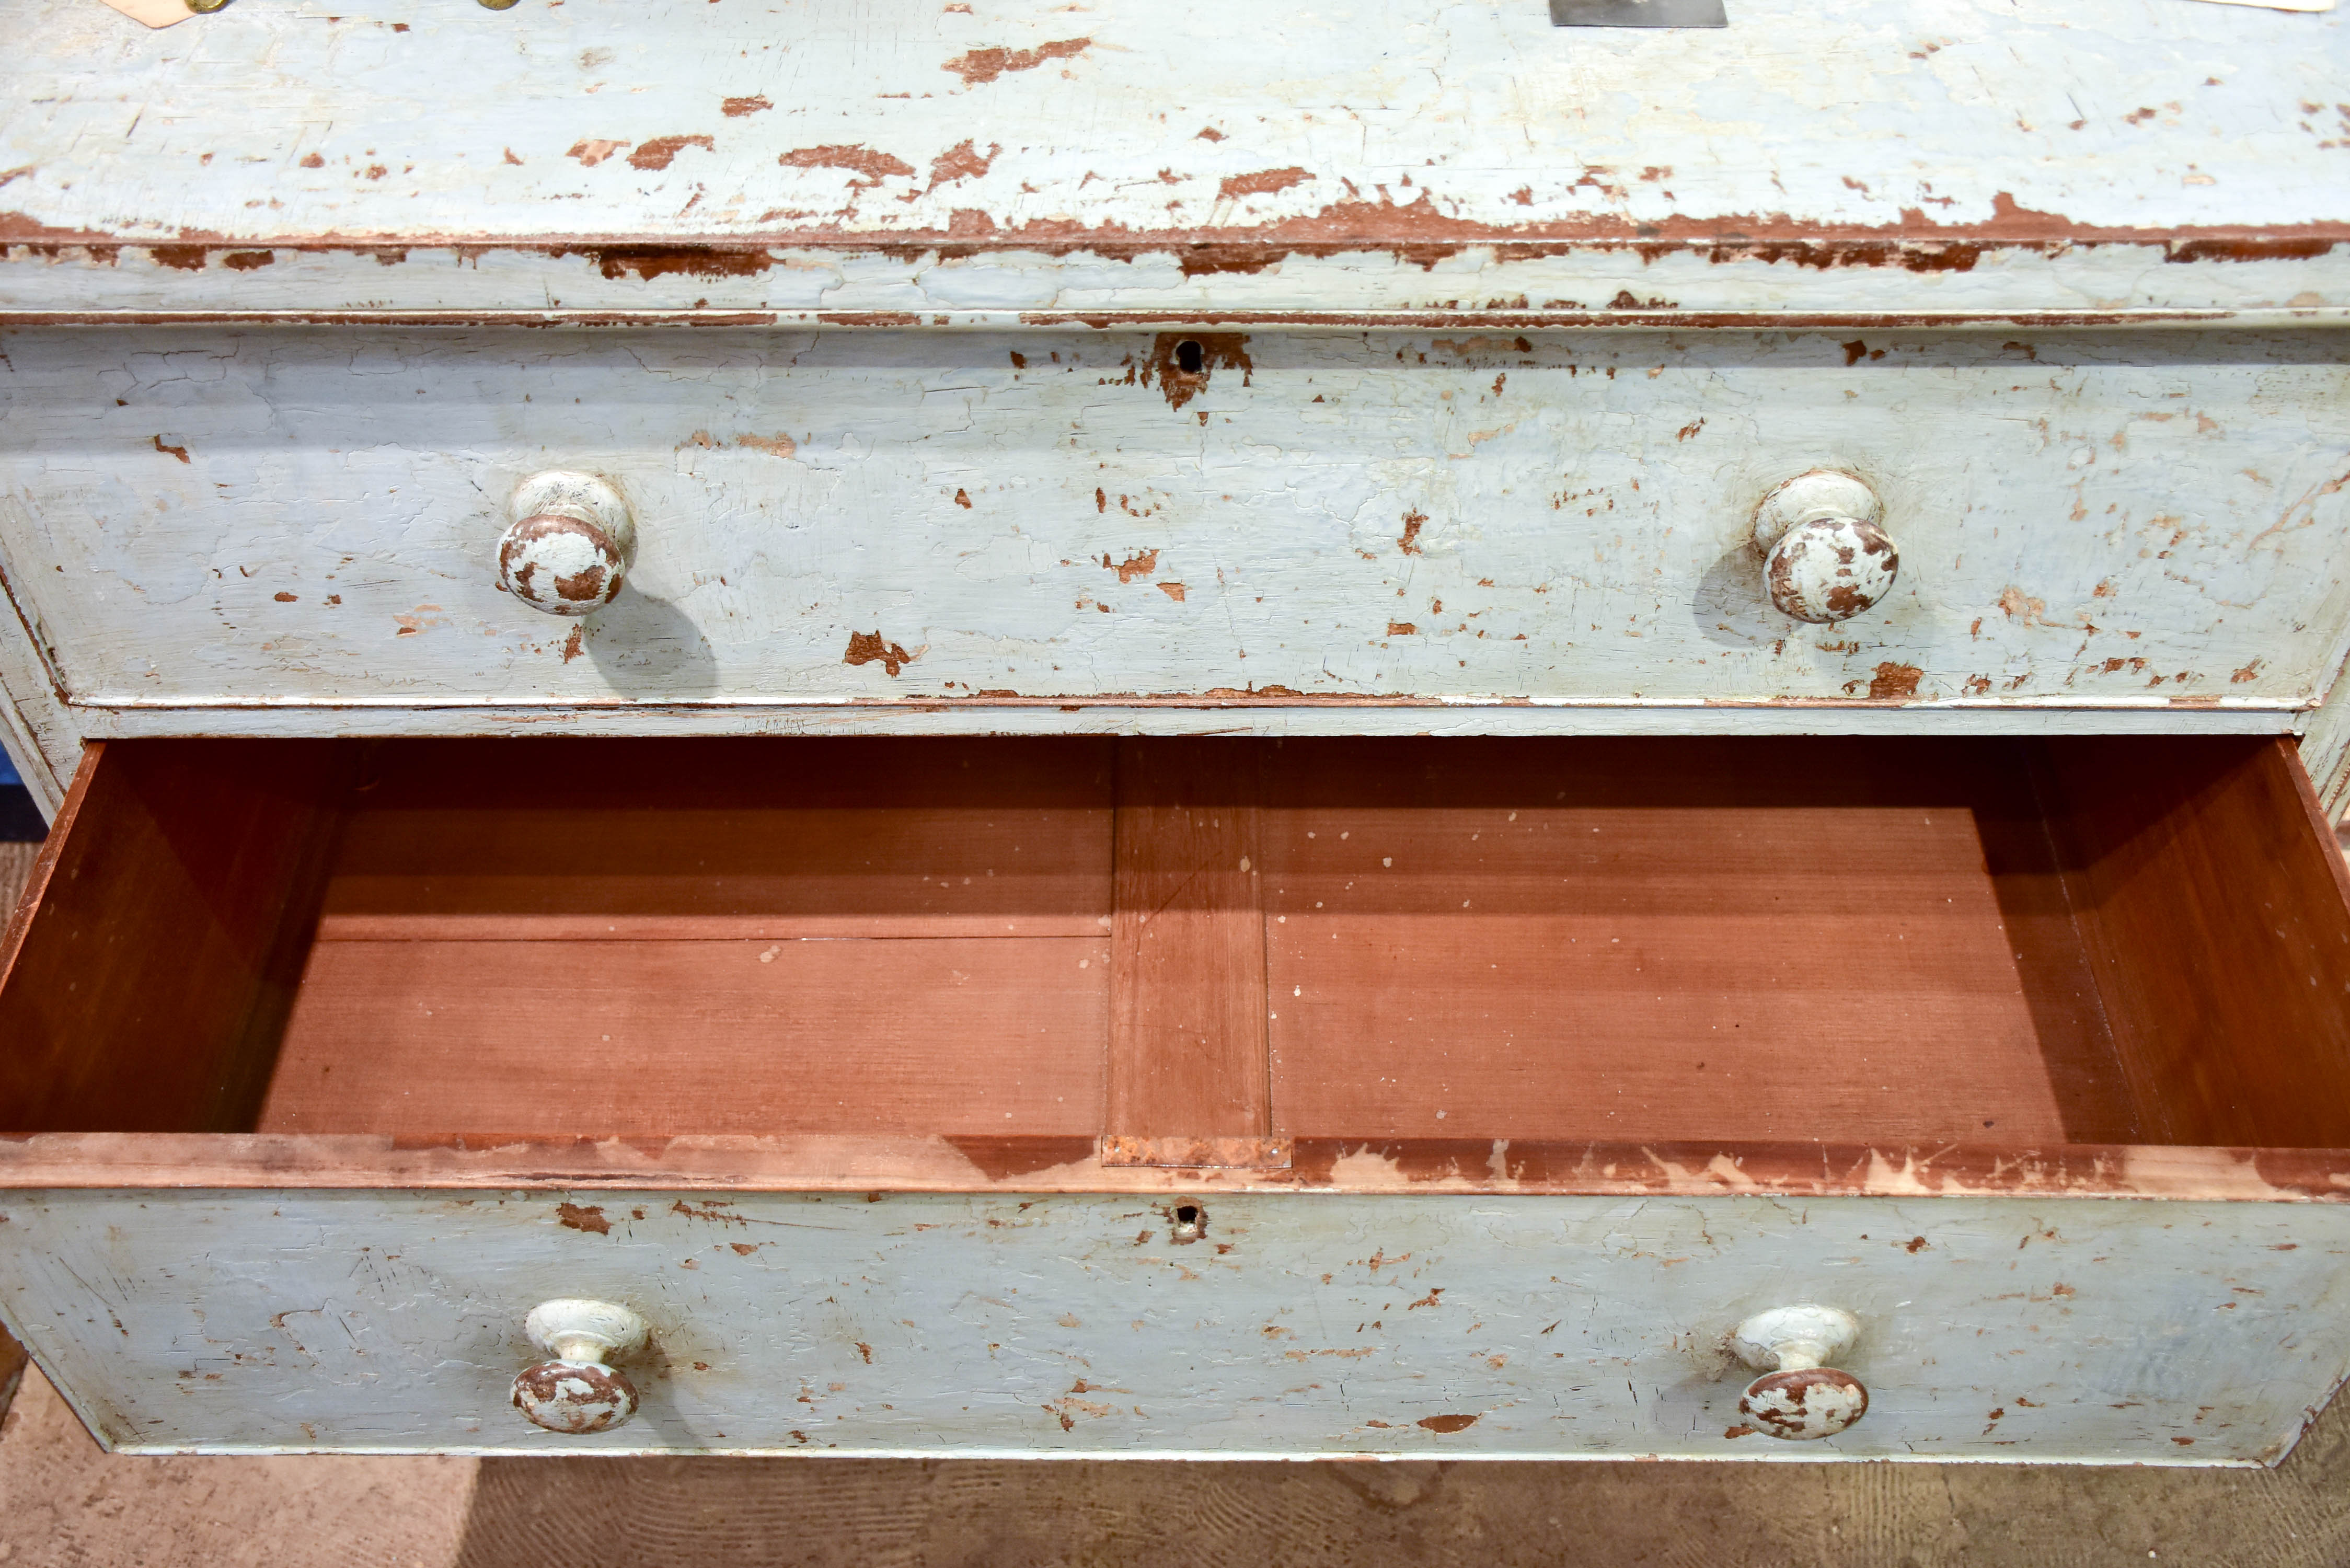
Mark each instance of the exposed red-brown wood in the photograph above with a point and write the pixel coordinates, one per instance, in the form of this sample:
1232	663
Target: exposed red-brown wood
1187	1048
1250	1153
156	950
1416	231
616	927
2215	909
743	836
44	862
951	1034
857	936
975	1163
1915	965
12	1362
1676	939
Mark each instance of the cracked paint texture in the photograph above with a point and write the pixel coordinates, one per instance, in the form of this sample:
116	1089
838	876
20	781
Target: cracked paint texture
906	156
2117	523
2095	1331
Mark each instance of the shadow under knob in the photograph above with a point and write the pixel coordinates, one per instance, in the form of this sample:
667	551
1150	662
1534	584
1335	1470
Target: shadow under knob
570	546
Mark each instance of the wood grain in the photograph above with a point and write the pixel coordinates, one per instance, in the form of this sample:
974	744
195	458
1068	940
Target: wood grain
148	970
710	936
1195	955
1669	939
740	836
1187	1049
2214	905
653	1038
16	870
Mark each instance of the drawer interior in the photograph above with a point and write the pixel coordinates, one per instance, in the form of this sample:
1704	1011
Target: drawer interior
2082	941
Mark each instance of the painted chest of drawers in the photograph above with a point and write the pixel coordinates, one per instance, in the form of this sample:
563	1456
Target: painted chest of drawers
1023	730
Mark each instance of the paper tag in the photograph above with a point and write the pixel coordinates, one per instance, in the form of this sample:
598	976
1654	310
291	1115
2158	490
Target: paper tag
164	13
2263	4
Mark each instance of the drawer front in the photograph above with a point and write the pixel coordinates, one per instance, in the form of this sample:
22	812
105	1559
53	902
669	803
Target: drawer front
2113	1331
301	518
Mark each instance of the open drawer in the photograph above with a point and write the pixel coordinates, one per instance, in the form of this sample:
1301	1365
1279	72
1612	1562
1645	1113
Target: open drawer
1221	1097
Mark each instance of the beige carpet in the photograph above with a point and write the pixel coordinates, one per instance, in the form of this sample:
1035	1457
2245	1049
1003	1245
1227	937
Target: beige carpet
63	1501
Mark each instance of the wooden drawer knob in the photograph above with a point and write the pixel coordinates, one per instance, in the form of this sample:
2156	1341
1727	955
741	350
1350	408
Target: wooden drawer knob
577	1391
1826	556
569	545
1798	1394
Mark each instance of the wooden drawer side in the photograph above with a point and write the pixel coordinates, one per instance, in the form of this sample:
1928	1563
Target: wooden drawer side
2210	898
149	966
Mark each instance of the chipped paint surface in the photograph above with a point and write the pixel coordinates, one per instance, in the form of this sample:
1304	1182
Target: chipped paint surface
558	565
1195	1154
578	1391
20	741
1830	570
1143	509
1800	1396
567	551
2325	749
1826	556
1530	526
1850	155
1805	1405
1432	1327
1458	1167
573	1397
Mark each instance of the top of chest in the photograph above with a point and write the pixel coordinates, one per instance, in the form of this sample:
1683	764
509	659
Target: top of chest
920	159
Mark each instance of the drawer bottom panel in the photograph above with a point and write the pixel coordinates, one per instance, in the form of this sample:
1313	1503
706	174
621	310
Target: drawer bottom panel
1098	1326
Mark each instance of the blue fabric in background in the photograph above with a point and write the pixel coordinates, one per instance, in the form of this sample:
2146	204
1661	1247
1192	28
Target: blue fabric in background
20	819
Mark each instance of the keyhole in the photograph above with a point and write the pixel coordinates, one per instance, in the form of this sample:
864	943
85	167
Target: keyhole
1191	1223
1190	357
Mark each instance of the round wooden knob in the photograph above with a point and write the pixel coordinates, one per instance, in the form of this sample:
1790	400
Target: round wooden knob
1798	1395
1826	556
577	1391
570	546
